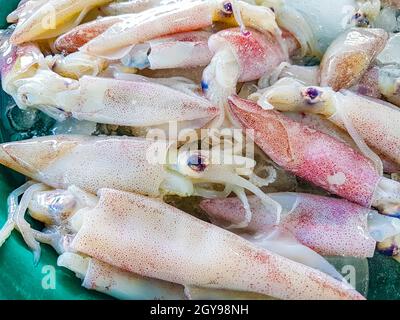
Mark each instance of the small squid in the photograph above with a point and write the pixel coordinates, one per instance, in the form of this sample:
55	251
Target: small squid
123	235
373	121
240	57
317	157
52	18
131	164
331	227
316	23
349	56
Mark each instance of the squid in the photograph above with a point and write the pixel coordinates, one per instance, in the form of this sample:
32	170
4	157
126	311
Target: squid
120	237
25	9
365	119
180	50
130	164
52	18
317	157
242	57
349	56
75	38
141	103
329	226
119	39
315	23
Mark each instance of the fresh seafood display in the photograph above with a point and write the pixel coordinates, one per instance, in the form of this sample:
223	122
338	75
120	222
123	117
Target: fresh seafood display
204	149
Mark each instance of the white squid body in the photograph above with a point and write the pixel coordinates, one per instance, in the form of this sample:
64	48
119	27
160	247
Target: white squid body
192	252
349	56
331	227
113	101
317	23
102	277
181	50
87	162
52	18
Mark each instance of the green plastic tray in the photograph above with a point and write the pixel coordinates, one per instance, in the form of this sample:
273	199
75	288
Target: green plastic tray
20	279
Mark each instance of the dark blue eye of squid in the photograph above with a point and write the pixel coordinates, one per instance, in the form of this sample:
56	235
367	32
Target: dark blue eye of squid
312	93
228	7
197	163
390	251
204	86
361	20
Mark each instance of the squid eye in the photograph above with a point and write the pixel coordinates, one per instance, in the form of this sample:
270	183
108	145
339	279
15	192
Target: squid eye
311	95
193	164
227	8
197	162
360	20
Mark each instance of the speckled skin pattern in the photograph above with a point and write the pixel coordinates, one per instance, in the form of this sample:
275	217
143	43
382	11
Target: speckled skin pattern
138	103
349	56
87	162
329	226
156	240
256	53
310	154
378	123
72	40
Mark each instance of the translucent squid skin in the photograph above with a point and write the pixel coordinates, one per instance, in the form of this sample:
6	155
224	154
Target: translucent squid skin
317	23
256	53
18	62
211	257
349	56
24	9
133	6
86	162
59	15
120	284
329	226
180	50
137	103
312	155
72	40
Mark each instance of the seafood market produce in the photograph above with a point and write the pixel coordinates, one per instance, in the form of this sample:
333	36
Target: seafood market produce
200	149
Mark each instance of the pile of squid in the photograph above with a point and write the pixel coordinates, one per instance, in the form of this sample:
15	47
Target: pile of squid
317	83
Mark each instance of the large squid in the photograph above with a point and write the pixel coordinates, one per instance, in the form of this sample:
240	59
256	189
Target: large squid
138	102
365	119
317	157
331	227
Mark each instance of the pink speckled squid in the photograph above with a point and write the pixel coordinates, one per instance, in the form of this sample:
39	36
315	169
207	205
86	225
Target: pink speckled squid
241	56
365	119
331	227
317	157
